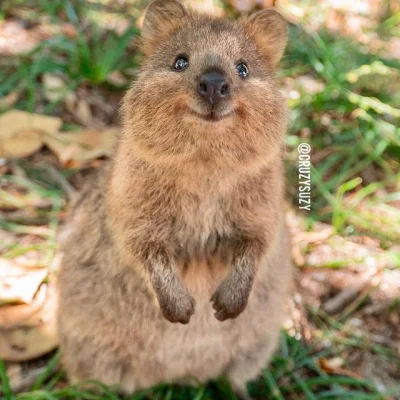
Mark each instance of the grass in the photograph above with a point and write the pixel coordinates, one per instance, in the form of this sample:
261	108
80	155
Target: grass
357	117
78	56
352	123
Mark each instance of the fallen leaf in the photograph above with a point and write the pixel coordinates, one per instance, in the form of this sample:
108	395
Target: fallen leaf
21	133
79	109
15	38
243	5
83	114
9	100
338	302
69	101
117	79
84	164
14	315
69	30
208	6
54	87
31	337
22	378
85	145
17	120
248	5
330	364
21	144
308	84
19	284
335	366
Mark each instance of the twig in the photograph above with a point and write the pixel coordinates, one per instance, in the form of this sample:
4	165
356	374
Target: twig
338	302
23	380
63	183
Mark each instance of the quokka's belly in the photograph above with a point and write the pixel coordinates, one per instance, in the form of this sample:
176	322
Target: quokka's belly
115	333
205	348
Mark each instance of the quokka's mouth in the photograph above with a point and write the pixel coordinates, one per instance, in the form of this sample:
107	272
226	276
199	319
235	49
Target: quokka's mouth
212	116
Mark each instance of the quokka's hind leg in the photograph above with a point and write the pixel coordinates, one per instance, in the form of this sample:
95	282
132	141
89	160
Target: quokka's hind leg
248	364
84	362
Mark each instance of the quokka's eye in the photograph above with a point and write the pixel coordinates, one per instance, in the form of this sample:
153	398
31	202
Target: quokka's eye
181	63
242	70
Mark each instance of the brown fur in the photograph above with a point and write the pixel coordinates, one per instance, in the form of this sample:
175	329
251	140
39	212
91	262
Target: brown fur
189	210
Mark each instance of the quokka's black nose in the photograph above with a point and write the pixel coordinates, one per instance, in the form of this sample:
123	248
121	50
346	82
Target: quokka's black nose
213	87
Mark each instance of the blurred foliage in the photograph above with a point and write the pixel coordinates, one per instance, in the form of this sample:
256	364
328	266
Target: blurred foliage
352	122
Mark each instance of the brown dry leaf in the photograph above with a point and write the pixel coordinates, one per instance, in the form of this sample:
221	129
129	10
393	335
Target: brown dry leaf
16	39
83	114
243	5
21	133
69	30
248	5
335	366
53	87
22	378
309	85
19	284
116	78
351	292
80	110
9	100
21	144
293	12
17	120
85	145
207	6
31	337
13	315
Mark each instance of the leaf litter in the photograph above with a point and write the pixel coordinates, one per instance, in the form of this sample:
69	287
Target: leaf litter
23	134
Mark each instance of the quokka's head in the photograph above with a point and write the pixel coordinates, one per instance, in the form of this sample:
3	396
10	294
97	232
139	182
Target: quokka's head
206	88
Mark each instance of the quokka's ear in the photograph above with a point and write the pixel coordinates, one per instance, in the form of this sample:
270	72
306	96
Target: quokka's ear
161	19
269	30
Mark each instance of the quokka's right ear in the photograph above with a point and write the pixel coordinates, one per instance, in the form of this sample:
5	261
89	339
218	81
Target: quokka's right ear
161	19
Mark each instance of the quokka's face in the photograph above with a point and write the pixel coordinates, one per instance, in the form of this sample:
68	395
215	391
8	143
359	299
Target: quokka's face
205	77
212	67
209	69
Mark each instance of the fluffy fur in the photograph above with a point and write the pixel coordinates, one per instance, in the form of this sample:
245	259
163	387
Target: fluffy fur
187	217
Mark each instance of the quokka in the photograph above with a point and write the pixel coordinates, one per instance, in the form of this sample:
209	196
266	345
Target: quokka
176	258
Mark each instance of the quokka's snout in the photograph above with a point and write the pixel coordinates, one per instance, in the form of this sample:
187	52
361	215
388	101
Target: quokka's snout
213	86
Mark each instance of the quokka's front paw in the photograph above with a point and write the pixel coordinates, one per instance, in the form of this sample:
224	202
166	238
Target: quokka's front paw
229	301
178	307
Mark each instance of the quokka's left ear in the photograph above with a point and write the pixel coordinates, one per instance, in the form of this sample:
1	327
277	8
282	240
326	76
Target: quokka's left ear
269	30
161	19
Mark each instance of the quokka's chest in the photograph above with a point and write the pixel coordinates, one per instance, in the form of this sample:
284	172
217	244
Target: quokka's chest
202	229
